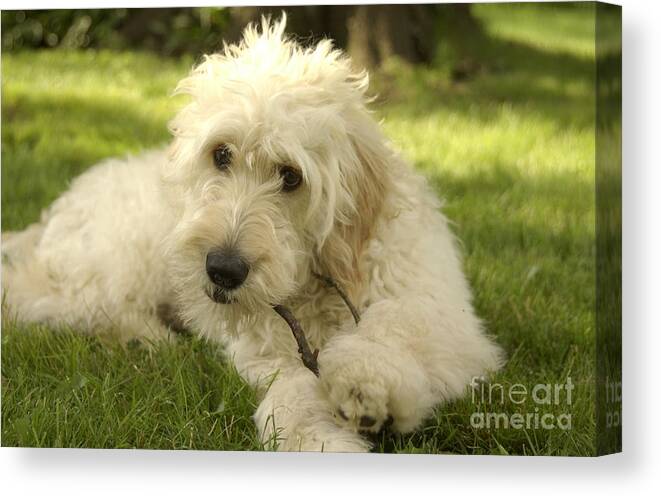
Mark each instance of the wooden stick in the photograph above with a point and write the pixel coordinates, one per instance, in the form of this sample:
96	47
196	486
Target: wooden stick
309	358
330	282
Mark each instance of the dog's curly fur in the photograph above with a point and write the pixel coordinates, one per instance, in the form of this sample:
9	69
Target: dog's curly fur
130	237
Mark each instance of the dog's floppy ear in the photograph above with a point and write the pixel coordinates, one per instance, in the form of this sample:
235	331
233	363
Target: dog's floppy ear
367	181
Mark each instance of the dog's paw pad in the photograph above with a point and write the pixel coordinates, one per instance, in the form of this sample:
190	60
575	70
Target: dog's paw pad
367	421
363	409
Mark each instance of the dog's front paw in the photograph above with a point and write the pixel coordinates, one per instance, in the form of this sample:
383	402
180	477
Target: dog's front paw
356	385
371	386
360	404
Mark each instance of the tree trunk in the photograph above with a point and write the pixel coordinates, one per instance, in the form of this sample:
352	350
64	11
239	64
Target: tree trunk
379	32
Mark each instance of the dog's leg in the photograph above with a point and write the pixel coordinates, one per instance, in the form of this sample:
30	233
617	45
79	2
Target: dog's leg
24	279
30	293
294	413
296	416
405	357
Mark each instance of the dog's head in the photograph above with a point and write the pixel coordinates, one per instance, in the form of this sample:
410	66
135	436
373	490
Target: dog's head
277	169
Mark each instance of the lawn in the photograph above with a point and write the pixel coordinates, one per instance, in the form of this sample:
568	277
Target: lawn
510	149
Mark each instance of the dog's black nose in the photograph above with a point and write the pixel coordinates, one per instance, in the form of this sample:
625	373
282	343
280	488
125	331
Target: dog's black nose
226	269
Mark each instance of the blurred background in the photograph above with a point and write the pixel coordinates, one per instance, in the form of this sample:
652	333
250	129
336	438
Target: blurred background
494	103
371	34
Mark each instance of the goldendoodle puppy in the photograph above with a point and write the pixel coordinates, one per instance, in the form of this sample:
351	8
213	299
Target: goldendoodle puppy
277	171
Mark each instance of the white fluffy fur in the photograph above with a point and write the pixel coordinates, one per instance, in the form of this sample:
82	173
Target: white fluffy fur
130	235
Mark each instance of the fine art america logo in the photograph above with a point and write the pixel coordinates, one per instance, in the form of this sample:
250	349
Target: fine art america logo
544	397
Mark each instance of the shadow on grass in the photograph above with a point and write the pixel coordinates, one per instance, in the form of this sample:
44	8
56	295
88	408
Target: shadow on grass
112	120
558	86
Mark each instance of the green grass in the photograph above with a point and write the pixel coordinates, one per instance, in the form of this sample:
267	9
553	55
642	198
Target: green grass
511	150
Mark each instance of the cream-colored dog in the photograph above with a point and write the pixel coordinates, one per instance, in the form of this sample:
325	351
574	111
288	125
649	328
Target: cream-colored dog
276	170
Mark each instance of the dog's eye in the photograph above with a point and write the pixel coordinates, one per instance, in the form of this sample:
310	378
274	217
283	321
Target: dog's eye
291	179
222	156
